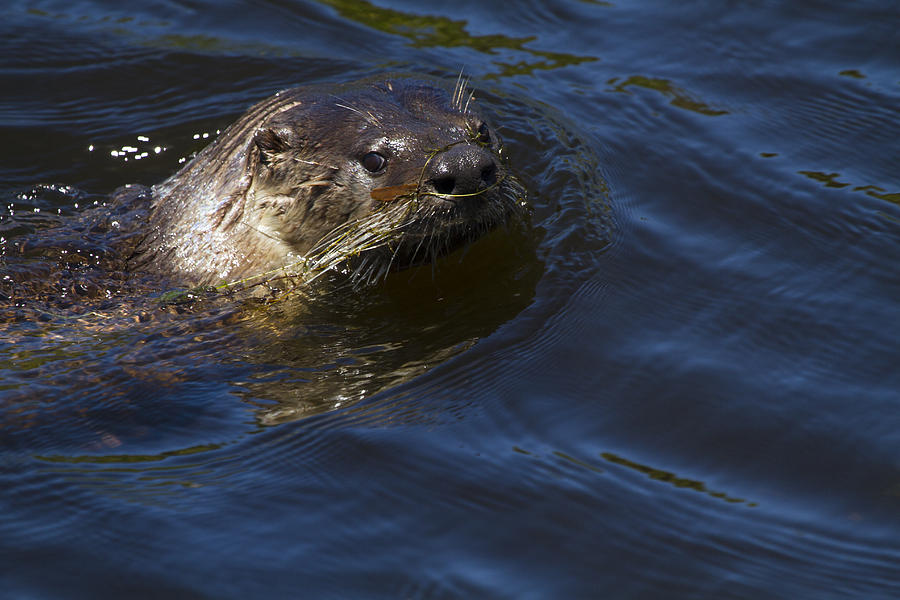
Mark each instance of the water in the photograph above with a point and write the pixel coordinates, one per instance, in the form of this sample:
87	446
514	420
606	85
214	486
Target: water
681	381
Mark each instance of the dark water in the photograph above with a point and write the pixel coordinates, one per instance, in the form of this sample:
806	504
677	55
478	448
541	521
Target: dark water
681	382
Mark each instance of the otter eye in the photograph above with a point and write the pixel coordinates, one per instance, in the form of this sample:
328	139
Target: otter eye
483	134
373	162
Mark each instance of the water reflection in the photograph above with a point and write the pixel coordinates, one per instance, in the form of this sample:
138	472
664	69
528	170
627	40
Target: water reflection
426	31
311	352
672	479
831	180
352	344
679	97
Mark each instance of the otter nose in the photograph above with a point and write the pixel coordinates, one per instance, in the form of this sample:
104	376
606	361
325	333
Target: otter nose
462	169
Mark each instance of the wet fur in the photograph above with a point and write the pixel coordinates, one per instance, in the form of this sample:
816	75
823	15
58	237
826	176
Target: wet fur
283	188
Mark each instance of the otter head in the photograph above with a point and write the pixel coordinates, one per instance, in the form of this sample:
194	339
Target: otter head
381	177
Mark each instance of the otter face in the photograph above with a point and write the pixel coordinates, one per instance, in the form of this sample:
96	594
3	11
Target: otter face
400	172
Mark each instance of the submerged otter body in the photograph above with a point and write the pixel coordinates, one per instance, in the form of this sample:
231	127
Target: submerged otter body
375	178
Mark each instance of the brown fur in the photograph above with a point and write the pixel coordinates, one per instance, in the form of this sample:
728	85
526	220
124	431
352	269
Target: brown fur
286	182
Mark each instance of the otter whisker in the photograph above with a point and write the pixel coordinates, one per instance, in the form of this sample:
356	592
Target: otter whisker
457	87
465	109
315	183
462	83
368	116
315	164
257	230
393	255
362	236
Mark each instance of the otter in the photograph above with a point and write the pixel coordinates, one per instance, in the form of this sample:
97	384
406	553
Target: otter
370	178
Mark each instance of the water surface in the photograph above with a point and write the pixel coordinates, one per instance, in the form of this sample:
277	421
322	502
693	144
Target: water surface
680	382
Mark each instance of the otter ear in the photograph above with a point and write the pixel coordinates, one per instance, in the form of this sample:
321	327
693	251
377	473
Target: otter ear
272	141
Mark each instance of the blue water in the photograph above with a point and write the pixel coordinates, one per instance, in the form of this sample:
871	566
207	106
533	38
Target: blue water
681	381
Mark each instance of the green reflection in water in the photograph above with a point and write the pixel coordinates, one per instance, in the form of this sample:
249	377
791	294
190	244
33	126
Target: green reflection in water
679	97
578	462
130	27
830	180
671	478
28	359
128	458
554	60
426	31
423	31
880	193
204	43
144	478
106	19
214	45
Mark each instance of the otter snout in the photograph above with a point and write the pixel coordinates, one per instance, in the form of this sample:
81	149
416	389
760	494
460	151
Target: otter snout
463	169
